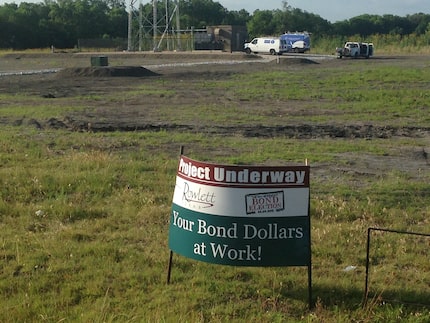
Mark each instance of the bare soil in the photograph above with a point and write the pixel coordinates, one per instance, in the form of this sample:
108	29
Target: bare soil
69	76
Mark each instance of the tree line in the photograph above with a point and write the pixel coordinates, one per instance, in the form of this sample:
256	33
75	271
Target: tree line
62	22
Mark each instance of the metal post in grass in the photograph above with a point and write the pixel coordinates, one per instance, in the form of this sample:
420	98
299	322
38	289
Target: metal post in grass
369	232
169	269
310	247
367	268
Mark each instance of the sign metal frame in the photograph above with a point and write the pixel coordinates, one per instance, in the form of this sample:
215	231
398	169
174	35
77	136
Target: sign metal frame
207	222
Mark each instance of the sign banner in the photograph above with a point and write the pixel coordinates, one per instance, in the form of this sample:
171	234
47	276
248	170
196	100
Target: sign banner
241	215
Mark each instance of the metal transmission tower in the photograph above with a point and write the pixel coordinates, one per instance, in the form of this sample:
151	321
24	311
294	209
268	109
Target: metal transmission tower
160	25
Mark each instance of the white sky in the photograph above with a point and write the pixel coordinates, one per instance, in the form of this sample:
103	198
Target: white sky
332	10
335	10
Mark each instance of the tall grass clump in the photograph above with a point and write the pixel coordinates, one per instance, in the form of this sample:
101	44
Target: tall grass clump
384	44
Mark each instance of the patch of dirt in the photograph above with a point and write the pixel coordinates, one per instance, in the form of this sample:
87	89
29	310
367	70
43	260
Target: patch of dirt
106	71
301	131
295	61
186	69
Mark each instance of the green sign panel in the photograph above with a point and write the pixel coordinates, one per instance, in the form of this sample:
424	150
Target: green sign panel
240	215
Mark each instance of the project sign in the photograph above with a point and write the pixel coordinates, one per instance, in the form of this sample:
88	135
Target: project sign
241	215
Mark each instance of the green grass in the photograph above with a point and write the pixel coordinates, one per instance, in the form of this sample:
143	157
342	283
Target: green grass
84	216
361	92
98	250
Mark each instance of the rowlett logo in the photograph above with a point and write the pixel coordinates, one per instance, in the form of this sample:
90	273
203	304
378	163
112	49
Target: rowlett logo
265	202
198	197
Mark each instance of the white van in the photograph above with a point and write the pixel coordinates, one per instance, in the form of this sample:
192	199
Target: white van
264	45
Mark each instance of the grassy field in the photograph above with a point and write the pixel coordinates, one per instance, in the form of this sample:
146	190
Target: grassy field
84	216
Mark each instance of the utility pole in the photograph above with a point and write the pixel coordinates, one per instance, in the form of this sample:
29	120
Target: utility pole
178	26
130	27
157	38
154	24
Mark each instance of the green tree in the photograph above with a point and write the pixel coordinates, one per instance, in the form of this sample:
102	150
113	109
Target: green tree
239	18
262	23
201	13
74	19
8	25
117	22
420	21
22	26
293	19
62	22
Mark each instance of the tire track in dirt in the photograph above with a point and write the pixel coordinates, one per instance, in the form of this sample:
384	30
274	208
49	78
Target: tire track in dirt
300	131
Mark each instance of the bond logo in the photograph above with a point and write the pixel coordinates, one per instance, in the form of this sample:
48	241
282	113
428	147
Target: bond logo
265	202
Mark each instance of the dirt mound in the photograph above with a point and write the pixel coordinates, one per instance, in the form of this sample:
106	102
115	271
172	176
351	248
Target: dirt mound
106	71
294	61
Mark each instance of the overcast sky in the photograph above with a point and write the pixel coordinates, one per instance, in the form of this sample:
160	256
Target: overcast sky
335	10
332	10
